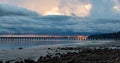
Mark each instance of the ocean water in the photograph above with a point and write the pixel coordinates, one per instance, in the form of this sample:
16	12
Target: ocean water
27	44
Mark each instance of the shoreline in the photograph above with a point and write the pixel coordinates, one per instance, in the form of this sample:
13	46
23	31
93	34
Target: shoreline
34	53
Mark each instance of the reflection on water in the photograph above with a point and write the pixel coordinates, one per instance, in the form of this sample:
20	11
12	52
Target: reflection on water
17	44
26	43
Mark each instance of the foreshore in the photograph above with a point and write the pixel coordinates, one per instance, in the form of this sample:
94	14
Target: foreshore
65	54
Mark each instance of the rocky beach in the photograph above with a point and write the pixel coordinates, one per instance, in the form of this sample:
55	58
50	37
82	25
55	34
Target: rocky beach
99	53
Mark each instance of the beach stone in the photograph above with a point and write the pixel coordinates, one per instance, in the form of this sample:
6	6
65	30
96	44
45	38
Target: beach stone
19	62
20	48
29	61
7	62
1	62
101	55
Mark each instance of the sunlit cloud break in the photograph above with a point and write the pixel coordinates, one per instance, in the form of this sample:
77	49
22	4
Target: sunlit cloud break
81	8
75	7
117	5
56	7
61	7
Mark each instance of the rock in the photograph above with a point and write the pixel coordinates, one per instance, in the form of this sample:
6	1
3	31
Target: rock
19	62
1	62
29	61
20	48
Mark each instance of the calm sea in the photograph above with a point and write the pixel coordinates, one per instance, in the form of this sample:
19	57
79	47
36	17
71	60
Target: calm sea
26	44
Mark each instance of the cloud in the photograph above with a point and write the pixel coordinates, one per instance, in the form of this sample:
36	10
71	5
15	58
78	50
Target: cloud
60	7
11	10
102	9
116	5
40	6
107	9
19	20
56	7
81	8
75	7
54	24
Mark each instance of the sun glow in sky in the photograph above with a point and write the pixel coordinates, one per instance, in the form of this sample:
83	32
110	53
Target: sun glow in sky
117	6
82	8
54	11
55	7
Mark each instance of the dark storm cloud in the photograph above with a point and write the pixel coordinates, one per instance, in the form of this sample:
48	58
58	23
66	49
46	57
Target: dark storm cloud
19	20
11	10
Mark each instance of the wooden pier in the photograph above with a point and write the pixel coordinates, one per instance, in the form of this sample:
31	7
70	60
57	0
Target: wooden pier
39	37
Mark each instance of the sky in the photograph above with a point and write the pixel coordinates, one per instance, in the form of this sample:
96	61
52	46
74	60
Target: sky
59	15
81	8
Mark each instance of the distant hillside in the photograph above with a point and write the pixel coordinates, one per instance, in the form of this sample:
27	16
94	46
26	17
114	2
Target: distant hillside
105	36
54	33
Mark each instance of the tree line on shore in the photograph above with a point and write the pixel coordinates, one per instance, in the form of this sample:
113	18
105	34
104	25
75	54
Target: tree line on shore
105	36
